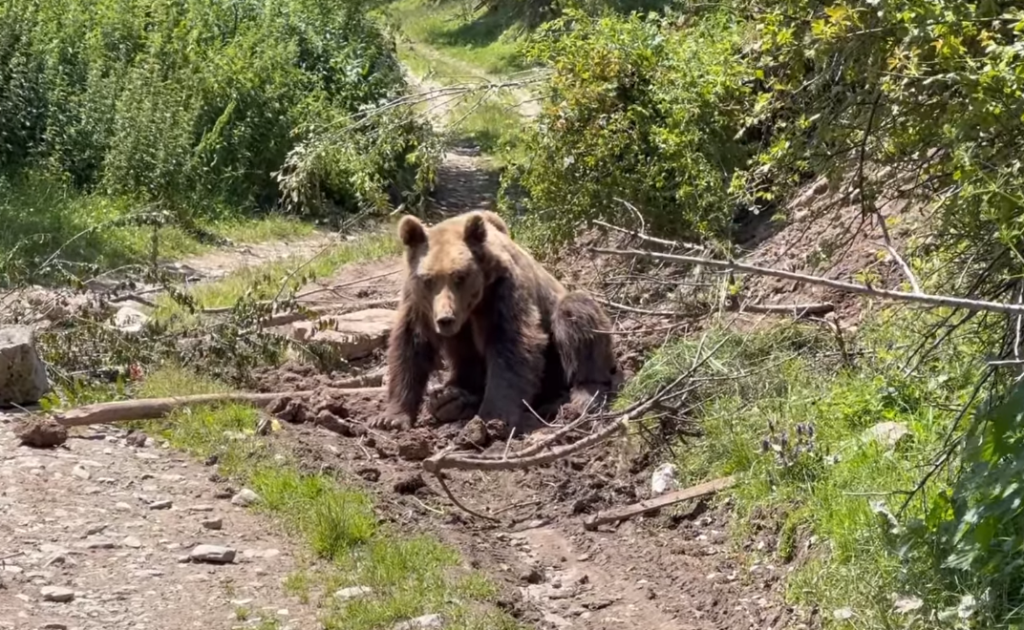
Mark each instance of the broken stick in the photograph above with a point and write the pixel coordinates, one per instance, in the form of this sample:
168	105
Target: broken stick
670	498
152	408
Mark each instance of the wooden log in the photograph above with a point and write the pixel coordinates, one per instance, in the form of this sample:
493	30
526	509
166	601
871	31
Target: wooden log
669	498
151	408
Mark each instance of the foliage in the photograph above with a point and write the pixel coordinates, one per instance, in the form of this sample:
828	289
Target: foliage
195	105
830	510
638	111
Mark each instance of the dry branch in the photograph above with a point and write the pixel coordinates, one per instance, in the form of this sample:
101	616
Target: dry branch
848	287
152	408
670	498
445	460
796	310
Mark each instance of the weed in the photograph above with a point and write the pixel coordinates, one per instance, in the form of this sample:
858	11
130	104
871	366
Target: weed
409	576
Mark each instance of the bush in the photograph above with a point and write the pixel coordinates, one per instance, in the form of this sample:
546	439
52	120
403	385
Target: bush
637	110
196	104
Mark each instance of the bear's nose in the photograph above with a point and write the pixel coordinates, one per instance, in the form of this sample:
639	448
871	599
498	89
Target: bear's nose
446	322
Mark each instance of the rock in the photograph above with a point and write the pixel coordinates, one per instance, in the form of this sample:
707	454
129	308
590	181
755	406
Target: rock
213	523
80	472
131	542
23	379
213	554
130	320
415	446
426	621
664	479
53	625
410	484
245	498
842	614
160	505
98	542
41	433
474	434
904	605
531	575
887	434
57	594
355	335
353	592
136	439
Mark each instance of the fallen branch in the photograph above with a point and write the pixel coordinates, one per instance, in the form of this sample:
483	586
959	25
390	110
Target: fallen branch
848	287
670	498
445	460
152	408
651	239
796	310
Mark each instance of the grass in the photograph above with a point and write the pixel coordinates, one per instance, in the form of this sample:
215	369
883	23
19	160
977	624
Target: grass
444	45
81	235
482	39
410	576
265	281
827	509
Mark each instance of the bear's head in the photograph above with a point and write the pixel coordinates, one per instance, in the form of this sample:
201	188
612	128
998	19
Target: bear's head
448	265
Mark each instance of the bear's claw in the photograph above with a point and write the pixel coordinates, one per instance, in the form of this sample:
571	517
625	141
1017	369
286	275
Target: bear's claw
452	404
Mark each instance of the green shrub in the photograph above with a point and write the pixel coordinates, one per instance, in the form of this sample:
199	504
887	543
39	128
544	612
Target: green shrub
197	104
639	111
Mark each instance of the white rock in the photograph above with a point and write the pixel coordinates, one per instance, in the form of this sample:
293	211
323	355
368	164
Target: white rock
887	434
212	553
904	605
426	621
57	594
245	497
664	479
353	592
842	614
23	377
80	472
355	335
130	320
131	542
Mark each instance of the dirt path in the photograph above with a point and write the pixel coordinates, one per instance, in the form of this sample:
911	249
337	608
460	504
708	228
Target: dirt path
97	535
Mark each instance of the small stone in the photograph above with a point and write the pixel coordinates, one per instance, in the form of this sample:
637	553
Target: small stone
99	543
245	498
842	614
531	575
353	592
415	446
57	594
213	554
80	472
131	542
41	433
136	439
23	379
53	625
160	505
426	621
887	434
213	523
664	479
92	530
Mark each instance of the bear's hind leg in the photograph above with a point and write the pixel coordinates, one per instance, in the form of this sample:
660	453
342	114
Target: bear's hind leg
581	328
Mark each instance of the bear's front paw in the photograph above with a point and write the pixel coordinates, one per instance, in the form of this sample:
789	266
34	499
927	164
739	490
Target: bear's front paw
394	421
452	404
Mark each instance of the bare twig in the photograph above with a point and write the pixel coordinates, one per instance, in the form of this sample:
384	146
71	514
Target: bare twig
670	498
848	287
458	504
650	239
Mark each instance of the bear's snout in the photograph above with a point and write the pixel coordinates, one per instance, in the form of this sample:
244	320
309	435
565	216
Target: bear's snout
447	325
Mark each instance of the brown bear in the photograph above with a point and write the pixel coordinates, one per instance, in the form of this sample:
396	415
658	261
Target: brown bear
508	330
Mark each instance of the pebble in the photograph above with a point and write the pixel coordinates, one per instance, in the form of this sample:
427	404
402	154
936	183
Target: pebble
245	497
80	472
353	592
132	542
426	621
213	523
160	505
57	594
212	553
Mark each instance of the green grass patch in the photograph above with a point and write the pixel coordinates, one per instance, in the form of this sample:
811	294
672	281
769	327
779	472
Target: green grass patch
70	233
825	495
488	40
410	575
265	281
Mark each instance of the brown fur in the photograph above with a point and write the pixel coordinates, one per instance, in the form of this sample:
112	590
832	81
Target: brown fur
507	328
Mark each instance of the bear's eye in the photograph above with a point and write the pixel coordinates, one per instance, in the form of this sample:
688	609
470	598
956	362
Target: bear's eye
458	279
428	282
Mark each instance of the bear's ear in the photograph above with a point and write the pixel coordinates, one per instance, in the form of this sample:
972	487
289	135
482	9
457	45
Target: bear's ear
411	231
495	220
476	229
